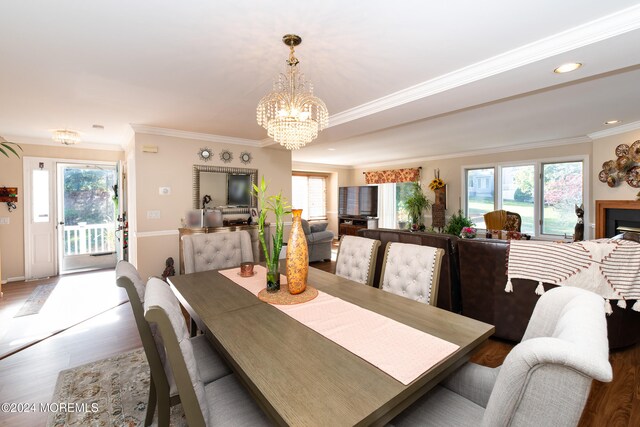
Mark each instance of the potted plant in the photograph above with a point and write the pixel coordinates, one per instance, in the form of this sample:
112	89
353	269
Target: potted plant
416	204
457	222
280	207
6	147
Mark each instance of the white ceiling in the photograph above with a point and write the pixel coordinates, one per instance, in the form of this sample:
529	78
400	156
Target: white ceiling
427	78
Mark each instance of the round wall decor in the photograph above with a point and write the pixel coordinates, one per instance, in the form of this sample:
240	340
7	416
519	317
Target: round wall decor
226	156
205	154
245	157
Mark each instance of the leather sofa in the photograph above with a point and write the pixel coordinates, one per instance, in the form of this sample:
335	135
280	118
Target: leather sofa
483	276
319	240
449	284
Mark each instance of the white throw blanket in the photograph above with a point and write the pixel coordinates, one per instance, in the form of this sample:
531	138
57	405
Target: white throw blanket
608	267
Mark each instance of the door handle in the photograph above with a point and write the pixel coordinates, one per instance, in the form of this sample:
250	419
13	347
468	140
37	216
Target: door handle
61	223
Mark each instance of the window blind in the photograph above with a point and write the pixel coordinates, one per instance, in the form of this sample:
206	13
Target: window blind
310	195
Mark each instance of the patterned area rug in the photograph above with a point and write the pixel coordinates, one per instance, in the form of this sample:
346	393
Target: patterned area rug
36	300
109	392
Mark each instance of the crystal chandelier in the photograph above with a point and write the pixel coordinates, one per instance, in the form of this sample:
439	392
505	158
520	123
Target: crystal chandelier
66	137
290	113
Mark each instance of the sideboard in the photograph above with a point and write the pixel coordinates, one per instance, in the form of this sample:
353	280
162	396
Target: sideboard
258	255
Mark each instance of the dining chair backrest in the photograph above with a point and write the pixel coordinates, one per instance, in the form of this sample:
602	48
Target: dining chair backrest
212	251
503	220
412	271
124	273
547	377
125	268
356	259
162	310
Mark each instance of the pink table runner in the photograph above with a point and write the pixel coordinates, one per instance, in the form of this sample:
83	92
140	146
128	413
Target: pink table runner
399	350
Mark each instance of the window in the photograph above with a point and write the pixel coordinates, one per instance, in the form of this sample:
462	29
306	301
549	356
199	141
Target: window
517	194
310	195
40	200
562	190
480	194
543	193
403	191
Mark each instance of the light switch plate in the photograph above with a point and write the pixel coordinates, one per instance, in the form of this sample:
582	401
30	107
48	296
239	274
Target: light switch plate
164	191
153	214
4	220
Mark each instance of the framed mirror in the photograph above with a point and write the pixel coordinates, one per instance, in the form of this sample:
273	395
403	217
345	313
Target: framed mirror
226	186
205	154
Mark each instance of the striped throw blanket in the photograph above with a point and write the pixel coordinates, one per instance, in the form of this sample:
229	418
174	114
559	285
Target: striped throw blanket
608	267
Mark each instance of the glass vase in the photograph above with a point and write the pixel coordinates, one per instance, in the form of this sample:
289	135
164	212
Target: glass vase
297	256
273	277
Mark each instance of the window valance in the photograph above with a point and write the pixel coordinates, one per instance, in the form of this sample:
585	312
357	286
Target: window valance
393	175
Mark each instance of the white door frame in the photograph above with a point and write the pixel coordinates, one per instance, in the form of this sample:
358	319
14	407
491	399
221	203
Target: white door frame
27	167
53	204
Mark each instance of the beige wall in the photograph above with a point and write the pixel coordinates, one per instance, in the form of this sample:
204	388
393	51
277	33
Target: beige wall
154	240
451	169
338	177
12	235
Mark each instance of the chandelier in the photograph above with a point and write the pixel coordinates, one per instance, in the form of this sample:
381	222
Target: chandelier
290	113
66	137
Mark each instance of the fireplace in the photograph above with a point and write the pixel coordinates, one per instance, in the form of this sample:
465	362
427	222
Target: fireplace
617	216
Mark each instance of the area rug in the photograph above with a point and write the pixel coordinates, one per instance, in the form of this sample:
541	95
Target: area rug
36	300
109	392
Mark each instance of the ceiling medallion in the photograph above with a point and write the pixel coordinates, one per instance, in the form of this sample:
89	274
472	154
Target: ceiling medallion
66	136
245	157
290	113
205	154
226	156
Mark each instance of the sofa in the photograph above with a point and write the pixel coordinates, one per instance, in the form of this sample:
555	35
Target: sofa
449	283
483	276
319	240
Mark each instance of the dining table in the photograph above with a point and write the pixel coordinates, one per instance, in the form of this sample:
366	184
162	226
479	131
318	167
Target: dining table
300	377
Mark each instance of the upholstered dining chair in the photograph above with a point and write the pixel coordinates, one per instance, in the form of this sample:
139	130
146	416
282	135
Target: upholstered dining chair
412	271
503	220
212	251
223	402
544	380
162	387
356	259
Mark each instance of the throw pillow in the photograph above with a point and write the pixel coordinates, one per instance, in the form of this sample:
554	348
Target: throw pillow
316	227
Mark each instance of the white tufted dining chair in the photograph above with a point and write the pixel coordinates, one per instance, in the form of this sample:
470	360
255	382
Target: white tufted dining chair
412	271
212	251
223	402
357	259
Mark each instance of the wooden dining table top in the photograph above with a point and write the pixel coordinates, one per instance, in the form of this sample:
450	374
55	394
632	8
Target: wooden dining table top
301	378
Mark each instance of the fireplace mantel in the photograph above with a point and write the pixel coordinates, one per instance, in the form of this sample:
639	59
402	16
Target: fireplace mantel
601	212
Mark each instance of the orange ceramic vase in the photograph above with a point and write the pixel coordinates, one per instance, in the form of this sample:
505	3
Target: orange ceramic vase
297	256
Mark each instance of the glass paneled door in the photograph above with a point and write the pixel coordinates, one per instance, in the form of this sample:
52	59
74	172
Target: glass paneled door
86	216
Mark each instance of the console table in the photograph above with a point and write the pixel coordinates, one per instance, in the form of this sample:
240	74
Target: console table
252	229
349	226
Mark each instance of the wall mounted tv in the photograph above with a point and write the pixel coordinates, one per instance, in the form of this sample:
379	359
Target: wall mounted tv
358	201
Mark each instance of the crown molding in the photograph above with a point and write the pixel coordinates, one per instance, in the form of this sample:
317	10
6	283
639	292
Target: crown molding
592	32
617	130
494	150
316	167
152	130
49	143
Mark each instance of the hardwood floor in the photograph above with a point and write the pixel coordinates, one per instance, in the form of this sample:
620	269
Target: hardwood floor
30	375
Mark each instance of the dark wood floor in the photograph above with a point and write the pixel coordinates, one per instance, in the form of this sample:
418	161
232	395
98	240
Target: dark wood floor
30	375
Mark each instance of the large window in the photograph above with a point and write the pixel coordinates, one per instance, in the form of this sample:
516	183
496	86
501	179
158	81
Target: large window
310	195
480	194
543	193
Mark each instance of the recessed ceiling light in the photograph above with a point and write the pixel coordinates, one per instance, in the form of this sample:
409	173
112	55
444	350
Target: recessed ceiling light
612	122
97	127
331	149
568	67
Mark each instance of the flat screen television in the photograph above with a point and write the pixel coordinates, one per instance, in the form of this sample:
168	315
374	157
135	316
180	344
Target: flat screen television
358	201
238	190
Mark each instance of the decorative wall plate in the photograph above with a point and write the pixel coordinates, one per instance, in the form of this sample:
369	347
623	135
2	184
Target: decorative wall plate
622	150
633	177
205	154
245	157
226	156
602	176
634	151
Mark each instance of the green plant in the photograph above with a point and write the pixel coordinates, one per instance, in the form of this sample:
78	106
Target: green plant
456	223
416	204
280	207
6	147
